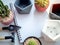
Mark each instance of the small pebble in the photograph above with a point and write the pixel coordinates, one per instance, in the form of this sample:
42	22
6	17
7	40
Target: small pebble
47	26
54	27
50	31
56	33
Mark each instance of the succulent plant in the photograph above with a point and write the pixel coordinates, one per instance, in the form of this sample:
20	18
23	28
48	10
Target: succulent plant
32	42
42	3
4	11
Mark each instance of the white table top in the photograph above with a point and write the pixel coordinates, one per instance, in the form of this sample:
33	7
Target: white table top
38	16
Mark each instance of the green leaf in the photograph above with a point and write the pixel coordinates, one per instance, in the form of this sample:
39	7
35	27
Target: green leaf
32	42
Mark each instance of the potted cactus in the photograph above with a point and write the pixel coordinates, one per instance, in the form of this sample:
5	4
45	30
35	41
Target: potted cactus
32	41
23	6
6	16
41	5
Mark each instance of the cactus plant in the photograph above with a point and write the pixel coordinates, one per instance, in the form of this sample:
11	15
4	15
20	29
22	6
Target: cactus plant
42	4
4	11
6	16
32	42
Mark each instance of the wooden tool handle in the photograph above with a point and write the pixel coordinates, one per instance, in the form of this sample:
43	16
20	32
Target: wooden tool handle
7	37
1	29
2	38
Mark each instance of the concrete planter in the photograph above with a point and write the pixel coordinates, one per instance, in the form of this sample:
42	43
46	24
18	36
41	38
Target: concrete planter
51	31
55	12
23	6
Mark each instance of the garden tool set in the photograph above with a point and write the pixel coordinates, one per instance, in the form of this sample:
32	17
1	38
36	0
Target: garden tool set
10	28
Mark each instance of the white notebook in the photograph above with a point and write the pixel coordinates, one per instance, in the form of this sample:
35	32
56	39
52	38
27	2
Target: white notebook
31	24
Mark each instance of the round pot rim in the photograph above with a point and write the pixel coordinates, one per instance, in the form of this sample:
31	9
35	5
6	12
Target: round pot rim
34	38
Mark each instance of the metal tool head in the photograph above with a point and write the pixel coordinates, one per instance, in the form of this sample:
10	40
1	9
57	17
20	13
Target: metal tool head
13	27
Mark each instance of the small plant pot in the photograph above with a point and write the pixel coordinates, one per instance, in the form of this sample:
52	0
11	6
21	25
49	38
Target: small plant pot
23	6
7	20
32	41
51	31
55	12
41	9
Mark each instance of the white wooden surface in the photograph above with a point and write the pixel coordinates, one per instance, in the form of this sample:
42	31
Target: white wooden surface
40	18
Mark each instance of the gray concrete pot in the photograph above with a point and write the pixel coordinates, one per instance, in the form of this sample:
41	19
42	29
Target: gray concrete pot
55	12
23	6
